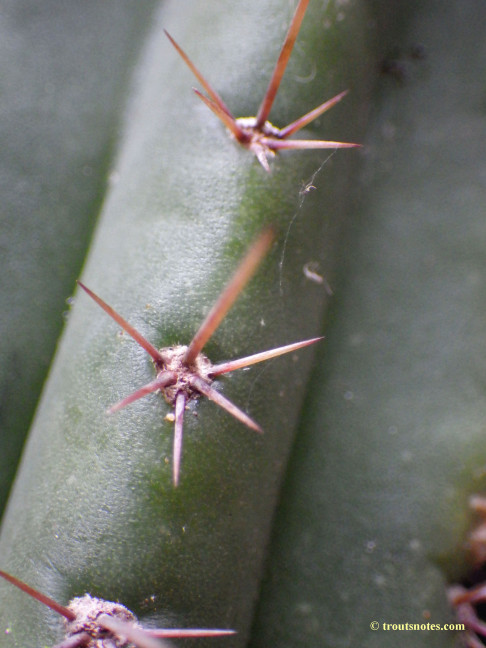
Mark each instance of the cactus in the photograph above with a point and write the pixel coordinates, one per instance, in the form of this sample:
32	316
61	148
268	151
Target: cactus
94	508
375	509
373	515
66	70
95	623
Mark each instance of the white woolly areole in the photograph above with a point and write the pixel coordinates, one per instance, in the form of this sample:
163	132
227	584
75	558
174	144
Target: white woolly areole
87	610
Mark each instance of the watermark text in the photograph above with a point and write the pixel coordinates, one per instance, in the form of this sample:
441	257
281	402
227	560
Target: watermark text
404	627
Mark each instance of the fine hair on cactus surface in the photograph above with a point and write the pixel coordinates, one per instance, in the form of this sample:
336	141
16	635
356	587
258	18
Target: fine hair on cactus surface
184	372
256	133
94	623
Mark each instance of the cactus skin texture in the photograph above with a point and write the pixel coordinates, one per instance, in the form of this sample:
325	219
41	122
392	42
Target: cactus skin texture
59	118
93	508
375	508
